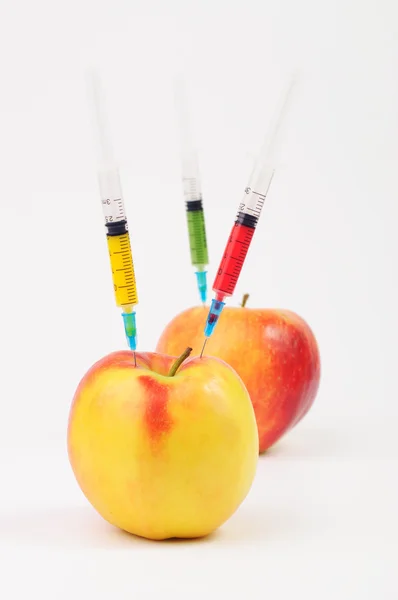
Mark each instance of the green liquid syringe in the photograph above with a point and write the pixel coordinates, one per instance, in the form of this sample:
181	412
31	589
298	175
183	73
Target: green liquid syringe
192	192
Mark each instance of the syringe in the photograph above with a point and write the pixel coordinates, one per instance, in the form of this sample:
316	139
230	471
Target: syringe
192	192
117	234
249	212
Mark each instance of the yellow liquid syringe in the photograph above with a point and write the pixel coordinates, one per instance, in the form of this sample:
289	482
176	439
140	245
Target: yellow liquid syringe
117	234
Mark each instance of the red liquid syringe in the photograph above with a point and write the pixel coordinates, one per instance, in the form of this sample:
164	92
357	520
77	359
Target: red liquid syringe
249	212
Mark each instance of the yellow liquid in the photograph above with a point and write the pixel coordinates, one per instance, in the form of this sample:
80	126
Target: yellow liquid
123	275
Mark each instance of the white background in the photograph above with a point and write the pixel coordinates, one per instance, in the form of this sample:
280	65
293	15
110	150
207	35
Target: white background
321	520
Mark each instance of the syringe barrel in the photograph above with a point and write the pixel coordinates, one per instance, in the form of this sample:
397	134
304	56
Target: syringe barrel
197	233
121	259
234	255
240	238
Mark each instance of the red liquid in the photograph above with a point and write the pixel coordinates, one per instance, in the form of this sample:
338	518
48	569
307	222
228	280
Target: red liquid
233	259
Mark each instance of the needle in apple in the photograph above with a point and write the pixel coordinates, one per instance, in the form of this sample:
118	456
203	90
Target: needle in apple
203	347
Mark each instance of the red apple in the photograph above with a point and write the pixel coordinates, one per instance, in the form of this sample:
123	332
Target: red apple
163	453
274	352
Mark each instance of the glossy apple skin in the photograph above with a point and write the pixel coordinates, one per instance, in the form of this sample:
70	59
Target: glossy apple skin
160	456
274	352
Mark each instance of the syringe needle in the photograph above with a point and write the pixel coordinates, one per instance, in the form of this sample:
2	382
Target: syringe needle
203	347
135	359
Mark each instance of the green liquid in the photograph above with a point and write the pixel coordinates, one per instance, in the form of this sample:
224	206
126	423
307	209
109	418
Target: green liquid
197	237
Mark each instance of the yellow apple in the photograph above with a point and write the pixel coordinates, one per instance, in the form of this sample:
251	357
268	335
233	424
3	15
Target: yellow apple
165	448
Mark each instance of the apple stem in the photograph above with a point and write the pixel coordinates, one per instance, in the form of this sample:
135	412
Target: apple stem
244	300
177	364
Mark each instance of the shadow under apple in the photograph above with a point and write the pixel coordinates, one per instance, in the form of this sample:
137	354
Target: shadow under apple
81	527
